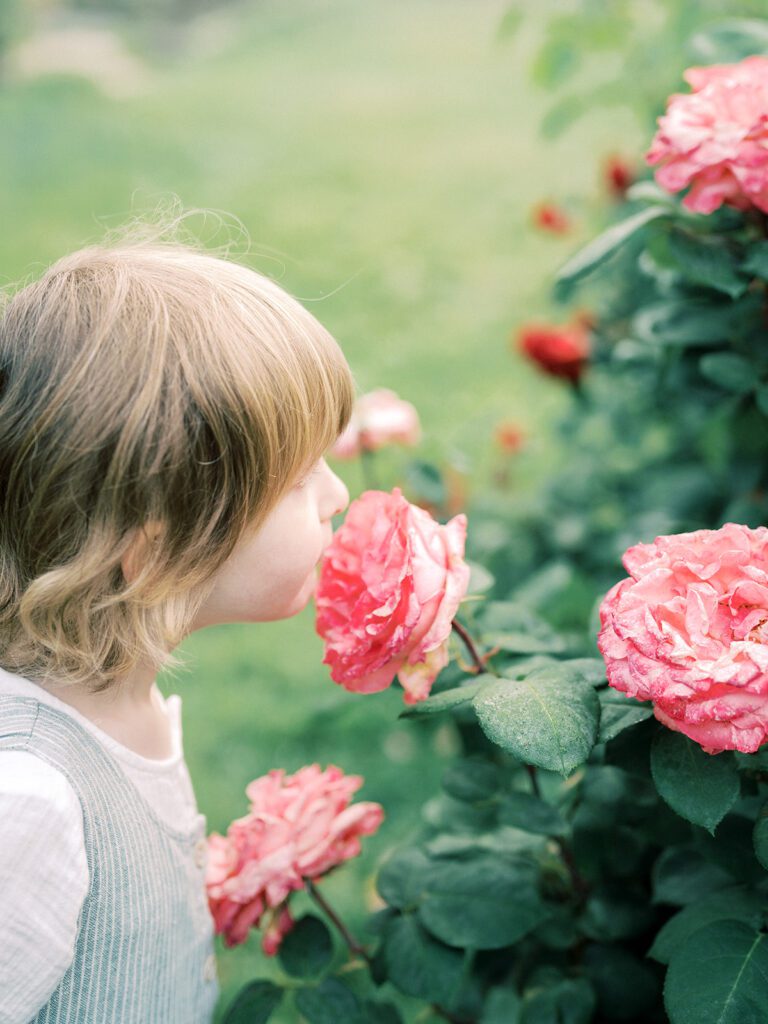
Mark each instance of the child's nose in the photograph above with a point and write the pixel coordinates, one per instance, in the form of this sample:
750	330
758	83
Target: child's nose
339	495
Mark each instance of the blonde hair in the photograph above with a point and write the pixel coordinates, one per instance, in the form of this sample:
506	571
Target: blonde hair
143	380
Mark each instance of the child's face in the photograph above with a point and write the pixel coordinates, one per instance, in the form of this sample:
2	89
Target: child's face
272	573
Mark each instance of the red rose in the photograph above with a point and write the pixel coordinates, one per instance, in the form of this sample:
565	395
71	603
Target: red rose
550	217
618	176
559	351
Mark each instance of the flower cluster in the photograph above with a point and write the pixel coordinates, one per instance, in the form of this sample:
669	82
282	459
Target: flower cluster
688	630
389	587
715	139
299	826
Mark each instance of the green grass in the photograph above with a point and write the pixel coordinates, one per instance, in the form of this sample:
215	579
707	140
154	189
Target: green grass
383	159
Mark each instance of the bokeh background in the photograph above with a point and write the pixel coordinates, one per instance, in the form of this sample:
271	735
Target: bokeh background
383	161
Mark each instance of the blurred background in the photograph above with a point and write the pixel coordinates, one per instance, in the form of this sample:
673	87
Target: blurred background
394	165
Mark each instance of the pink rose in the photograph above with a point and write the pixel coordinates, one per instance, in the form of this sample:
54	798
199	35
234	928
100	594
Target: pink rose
298	826
389	587
688	630
379	418
716	137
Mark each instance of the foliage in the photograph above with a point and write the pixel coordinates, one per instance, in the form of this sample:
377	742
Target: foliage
582	863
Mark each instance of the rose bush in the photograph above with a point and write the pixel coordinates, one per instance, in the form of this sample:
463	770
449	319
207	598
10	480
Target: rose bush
298	827
586	860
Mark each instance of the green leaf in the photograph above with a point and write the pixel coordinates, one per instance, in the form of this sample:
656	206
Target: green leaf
543	720
380	1013
445	701
307	948
681	875
690	322
514	627
615	973
330	1003
729	371
592	255
417	963
707	261
619	712
700	787
556	60
526	643
471	781
400	879
558	1001
736	903
729	41
501	1007
254	1003
719	976
484	902
504	841
761	397
425	480
612	913
757	260
510	22
480	579
528	812
584	670
760	836
562	114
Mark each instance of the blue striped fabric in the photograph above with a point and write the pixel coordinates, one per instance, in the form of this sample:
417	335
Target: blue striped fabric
144	948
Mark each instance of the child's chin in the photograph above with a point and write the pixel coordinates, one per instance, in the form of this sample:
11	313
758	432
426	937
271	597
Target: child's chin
306	594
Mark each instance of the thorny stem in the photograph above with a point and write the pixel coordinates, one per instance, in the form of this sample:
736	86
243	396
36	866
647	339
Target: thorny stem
354	945
470	645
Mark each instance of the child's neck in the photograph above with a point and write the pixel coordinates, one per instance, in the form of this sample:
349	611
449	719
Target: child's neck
131	713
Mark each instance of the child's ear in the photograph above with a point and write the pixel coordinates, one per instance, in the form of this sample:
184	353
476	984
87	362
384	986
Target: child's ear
143	538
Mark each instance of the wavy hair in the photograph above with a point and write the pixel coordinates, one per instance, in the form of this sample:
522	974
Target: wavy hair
145	380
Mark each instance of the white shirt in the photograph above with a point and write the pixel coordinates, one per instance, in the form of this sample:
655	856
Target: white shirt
44	874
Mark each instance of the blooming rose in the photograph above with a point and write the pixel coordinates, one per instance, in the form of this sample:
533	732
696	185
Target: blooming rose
379	418
689	629
559	351
550	217
389	586
716	137
299	826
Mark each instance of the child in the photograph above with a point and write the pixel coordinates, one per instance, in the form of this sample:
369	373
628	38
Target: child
163	418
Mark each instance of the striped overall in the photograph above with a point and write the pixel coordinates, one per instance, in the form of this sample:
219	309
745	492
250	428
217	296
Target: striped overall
144	947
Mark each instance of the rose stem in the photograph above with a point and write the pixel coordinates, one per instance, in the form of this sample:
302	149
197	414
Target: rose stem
534	780
469	643
350	940
577	881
